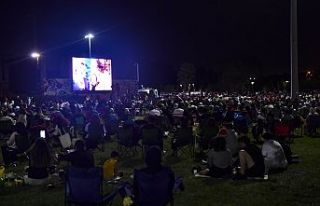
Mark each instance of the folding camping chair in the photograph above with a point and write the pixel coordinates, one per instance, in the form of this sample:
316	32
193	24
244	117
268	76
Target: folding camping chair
183	141
126	144
154	189
85	187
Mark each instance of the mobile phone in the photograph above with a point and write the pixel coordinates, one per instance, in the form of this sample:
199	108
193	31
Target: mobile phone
42	133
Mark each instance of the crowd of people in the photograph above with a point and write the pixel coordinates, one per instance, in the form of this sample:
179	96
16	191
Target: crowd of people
234	135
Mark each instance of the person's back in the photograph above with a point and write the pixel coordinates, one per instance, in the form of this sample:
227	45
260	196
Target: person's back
184	134
22	142
79	158
312	118
39	162
241	123
274	156
110	166
221	159
251	159
151	134
232	141
22	117
95	132
255	154
153	185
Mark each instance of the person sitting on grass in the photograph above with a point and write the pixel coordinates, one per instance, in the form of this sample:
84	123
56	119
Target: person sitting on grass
19	138
17	144
274	156
231	139
219	159
39	162
80	157
95	132
180	136
251	159
110	166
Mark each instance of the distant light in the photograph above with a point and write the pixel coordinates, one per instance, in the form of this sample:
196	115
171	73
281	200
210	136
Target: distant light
287	81
252	83
89	36
35	55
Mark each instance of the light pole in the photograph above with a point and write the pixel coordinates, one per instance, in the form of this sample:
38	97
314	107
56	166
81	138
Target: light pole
89	37
37	55
137	72
252	82
294	49
286	84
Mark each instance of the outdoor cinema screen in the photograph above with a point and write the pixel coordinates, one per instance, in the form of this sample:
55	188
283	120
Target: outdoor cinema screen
91	74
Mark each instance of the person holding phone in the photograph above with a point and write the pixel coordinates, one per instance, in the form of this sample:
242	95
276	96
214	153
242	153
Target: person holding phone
43	134
40	160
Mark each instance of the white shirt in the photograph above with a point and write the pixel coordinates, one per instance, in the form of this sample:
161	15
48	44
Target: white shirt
232	141
178	112
273	154
11	142
23	119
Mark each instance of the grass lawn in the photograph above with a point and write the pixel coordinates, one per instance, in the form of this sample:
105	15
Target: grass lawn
299	185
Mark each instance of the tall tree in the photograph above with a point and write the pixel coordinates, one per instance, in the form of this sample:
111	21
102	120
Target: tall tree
187	74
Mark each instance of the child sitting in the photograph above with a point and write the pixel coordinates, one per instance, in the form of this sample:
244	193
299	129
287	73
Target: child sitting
110	169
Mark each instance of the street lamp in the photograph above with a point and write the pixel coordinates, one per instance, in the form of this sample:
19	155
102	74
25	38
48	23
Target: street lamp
252	82
285	84
89	37
35	55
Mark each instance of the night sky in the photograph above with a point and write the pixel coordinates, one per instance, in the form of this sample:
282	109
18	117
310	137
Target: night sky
160	35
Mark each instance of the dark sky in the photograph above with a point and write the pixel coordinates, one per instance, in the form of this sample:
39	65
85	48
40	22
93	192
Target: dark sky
160	35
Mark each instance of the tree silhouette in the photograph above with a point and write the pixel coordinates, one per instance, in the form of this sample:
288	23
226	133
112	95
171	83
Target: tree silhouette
187	74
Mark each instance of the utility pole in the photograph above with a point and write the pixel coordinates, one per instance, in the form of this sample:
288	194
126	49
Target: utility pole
294	49
137	70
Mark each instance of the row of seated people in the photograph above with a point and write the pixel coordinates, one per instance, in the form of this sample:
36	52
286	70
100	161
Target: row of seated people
41	160
159	180
153	184
250	161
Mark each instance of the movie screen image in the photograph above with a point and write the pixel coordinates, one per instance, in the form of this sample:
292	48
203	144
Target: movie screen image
90	74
